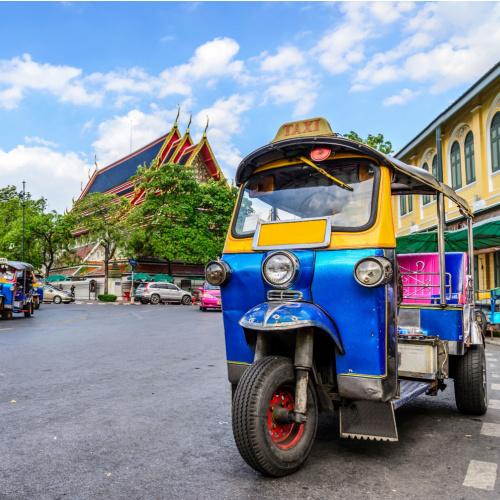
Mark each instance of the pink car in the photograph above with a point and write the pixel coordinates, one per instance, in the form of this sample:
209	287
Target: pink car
210	297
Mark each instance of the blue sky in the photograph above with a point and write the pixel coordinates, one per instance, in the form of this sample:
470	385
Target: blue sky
75	78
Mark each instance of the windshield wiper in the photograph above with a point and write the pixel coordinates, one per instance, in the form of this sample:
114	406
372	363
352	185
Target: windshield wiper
343	185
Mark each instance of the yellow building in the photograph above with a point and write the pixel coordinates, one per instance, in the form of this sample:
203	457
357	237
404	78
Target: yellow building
461	147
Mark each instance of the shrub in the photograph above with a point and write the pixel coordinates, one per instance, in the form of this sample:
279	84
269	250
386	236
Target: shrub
107	297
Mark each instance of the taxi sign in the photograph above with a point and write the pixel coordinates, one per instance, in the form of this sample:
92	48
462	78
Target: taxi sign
303	128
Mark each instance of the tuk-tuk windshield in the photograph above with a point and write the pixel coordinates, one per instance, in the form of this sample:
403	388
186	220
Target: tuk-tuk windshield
301	192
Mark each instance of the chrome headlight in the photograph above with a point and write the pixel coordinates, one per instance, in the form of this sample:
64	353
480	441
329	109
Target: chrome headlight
280	268
373	271
217	272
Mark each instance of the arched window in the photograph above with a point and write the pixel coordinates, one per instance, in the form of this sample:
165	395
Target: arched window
495	142
456	171
436	172
426	199
402	204
470	168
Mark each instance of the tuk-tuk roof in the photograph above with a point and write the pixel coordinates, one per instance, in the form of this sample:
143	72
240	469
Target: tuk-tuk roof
20	266
406	179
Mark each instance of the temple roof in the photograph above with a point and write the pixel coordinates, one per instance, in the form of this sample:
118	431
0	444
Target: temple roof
171	147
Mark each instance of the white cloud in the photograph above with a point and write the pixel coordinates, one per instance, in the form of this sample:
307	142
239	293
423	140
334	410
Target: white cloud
55	175
446	44
20	74
114	135
301	92
401	98
39	141
285	58
225	122
343	47
211	61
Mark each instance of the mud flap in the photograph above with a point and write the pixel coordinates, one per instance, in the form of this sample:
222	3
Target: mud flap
371	420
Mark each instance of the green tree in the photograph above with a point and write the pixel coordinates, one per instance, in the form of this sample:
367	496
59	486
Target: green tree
100	218
44	235
375	141
180	218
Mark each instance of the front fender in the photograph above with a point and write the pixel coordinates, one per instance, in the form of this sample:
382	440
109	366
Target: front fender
274	316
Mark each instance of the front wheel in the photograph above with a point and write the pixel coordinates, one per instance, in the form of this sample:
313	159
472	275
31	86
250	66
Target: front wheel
57	299
270	446
37	305
29	312
186	300
471	393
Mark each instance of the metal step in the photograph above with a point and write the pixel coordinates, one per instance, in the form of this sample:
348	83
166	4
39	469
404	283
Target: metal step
409	390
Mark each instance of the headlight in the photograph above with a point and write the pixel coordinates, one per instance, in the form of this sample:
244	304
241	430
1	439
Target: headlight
373	271
217	272
280	268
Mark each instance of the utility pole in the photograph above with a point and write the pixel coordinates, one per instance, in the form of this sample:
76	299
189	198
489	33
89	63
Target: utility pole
23	201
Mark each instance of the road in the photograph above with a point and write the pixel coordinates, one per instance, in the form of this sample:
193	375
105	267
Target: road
114	401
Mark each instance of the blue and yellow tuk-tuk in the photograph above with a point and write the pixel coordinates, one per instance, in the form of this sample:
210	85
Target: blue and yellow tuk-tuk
320	314
16	288
38	285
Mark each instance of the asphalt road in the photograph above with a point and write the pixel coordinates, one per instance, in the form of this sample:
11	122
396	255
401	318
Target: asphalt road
115	401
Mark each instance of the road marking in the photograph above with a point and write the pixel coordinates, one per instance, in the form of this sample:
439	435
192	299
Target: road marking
494	403
481	475
494	375
488	354
490	429
495	387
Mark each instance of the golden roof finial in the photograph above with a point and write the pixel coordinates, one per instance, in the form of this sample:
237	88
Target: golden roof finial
178	113
206	127
189	123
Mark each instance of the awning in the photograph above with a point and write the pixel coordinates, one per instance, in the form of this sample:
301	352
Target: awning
141	277
163	277
486	235
56	277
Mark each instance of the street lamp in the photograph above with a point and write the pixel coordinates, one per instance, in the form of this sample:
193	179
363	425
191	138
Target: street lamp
22	196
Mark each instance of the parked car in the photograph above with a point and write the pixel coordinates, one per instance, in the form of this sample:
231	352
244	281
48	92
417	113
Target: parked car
154	293
210	297
56	295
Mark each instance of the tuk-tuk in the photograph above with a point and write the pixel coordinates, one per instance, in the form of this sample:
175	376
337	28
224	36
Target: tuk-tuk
16	288
321	314
38	286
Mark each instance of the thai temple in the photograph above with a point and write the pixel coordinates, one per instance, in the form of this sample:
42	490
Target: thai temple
172	147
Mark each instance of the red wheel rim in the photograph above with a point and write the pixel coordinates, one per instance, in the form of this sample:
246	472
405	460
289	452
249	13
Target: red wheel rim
284	436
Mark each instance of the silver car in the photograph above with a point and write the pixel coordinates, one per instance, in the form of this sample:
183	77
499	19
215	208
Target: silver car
56	295
154	293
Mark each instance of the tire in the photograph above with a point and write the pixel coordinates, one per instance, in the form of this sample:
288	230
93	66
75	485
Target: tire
29	312
186	300
155	299
471	393
37	305
203	309
7	314
281	451
57	299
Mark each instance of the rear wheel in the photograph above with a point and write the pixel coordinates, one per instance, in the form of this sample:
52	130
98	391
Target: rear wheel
57	299
268	444
155	299
471	393
7	314
186	300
